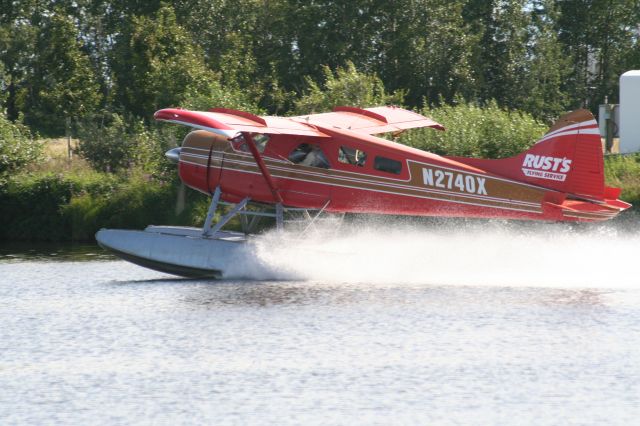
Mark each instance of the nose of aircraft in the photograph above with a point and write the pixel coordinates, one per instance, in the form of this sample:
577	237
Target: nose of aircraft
173	155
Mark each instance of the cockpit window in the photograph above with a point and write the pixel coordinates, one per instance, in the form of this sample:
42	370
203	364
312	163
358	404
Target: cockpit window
309	155
240	144
348	155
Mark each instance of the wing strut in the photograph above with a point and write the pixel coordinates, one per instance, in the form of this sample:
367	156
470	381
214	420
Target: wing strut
263	168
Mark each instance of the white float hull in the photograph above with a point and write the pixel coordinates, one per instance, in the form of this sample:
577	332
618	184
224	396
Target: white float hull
176	250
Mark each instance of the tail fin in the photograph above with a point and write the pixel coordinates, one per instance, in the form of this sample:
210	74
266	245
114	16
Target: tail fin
568	158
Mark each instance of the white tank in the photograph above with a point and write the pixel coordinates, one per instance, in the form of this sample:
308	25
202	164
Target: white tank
630	112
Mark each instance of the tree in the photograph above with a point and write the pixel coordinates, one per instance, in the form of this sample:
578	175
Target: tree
502	59
433	53
17	50
347	87
598	35
156	65
61	83
549	66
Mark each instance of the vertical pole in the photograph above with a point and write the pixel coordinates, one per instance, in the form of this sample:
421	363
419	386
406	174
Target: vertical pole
68	123
608	126
206	229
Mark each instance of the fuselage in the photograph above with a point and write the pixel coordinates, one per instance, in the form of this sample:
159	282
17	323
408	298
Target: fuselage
366	175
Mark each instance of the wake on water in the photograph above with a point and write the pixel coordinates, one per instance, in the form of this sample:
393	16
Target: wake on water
490	253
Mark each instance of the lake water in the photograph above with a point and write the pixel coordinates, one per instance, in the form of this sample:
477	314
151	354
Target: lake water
478	324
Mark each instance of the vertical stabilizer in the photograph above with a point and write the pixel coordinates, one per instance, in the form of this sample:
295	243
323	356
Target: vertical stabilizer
568	158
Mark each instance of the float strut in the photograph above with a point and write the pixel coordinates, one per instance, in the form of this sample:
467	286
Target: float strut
234	211
206	229
279	217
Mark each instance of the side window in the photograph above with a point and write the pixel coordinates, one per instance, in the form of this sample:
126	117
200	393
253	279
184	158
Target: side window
261	141
311	155
239	144
348	155
387	165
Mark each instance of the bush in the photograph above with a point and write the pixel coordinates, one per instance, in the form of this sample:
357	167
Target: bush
107	142
111	144
17	147
475	131
134	205
31	206
347	87
56	207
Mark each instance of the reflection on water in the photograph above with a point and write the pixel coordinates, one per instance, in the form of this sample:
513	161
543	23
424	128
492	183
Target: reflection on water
20	251
264	294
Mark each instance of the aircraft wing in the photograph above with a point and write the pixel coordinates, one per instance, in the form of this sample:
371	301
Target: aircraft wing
370	121
229	122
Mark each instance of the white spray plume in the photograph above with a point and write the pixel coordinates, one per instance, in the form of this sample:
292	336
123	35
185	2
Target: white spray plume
480	253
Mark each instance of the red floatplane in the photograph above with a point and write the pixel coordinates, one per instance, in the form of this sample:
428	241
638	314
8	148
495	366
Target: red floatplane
332	163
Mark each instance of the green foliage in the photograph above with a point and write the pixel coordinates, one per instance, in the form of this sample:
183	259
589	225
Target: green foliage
64	91
347	87
214	94
475	131
134	205
428	50
603	33
17	147
62	60
157	65
503	61
548	66
623	171
55	207
67	59
17	50
31	205
108	143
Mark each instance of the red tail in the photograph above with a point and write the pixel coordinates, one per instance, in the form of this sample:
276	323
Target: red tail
568	158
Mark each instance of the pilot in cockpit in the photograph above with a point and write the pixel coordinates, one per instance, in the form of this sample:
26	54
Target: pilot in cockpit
309	155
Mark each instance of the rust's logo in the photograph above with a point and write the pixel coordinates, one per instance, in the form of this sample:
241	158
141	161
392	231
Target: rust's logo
550	168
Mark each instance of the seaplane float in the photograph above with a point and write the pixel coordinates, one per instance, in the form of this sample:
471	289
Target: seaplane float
309	166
